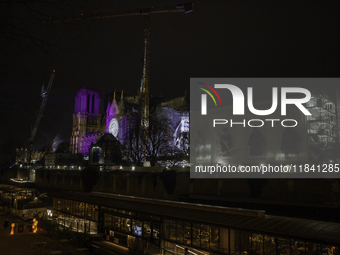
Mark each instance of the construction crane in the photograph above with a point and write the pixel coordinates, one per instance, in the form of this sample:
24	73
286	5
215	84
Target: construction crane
145	82
44	95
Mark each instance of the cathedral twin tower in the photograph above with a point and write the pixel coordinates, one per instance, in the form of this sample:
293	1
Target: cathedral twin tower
89	124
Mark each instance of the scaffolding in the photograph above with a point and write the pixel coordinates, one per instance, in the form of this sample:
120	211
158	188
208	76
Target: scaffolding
322	128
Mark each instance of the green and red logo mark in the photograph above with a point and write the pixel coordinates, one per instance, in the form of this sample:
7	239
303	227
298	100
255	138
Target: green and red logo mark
204	96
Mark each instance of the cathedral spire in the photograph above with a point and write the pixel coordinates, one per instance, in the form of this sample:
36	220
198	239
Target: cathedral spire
114	96
121	103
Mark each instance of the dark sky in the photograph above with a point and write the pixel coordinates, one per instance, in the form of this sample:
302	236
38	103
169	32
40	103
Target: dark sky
219	39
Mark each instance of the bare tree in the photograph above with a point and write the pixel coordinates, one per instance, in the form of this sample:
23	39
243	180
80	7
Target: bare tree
133	145
151	148
159	138
178	152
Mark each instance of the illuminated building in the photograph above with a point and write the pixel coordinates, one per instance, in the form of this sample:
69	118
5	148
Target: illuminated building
122	114
63	160
23	202
22	156
87	126
169	227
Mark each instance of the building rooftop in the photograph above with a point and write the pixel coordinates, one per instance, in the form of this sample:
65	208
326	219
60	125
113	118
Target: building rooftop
250	220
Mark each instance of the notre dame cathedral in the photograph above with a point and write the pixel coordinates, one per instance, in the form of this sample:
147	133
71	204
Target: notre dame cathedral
120	113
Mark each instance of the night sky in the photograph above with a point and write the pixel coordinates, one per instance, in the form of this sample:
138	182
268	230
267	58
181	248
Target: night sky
219	39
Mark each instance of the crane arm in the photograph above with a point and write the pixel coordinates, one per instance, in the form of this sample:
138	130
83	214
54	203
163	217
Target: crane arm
145	83
186	8
42	106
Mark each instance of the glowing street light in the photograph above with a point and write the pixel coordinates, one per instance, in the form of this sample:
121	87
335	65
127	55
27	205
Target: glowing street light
12	229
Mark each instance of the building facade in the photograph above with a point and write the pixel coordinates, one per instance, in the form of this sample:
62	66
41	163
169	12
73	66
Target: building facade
87	127
122	114
172	227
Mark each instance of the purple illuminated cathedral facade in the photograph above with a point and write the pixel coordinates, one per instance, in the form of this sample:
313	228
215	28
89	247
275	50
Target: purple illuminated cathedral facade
87	126
121	113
